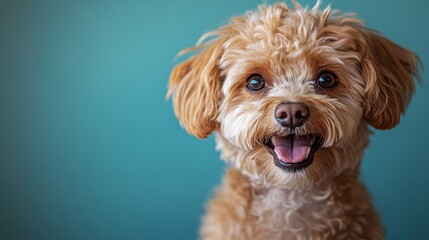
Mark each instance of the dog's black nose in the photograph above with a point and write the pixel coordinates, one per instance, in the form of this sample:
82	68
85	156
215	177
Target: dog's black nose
292	115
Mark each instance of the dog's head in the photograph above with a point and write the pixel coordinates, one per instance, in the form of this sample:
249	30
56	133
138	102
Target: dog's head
288	89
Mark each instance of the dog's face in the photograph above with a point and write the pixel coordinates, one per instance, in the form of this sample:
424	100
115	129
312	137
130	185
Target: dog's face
288	89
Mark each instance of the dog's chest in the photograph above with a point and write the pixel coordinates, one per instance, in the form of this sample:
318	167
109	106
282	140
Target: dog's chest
313	214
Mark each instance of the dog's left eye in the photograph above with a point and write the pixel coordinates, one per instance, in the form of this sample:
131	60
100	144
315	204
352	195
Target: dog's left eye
326	80
255	83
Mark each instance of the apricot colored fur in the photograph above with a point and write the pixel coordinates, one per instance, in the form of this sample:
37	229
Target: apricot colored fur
289	47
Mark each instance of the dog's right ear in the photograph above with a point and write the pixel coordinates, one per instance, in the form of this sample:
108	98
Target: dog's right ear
195	89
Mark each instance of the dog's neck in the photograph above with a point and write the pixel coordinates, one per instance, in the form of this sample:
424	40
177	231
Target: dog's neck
343	184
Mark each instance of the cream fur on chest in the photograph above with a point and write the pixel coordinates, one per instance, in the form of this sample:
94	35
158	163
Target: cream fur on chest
242	210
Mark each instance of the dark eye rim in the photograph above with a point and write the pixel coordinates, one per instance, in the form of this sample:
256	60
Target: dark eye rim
252	76
333	75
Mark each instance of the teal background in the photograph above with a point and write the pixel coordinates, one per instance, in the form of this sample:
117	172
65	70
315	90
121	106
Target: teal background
90	149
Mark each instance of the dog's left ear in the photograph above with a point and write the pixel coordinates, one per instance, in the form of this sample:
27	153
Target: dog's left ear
195	88
389	71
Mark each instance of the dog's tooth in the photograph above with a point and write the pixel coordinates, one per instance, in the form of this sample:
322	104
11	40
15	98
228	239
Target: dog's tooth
277	153
308	152
312	141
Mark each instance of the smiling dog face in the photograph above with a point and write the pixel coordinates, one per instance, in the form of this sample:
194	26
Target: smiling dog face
290	92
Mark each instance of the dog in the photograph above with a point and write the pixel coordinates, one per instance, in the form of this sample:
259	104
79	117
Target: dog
290	94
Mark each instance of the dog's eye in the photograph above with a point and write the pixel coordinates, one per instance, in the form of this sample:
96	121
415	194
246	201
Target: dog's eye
255	83
326	80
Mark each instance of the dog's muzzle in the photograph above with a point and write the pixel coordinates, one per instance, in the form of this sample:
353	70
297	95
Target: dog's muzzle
293	152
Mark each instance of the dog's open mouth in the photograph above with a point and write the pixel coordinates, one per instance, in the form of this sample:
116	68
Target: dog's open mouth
293	152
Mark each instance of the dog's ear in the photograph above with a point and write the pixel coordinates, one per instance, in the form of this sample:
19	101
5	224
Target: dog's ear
389	71
195	90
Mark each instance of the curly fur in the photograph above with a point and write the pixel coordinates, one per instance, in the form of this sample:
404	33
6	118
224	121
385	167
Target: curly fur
289	47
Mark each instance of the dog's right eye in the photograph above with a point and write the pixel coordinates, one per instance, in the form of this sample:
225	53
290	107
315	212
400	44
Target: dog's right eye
255	83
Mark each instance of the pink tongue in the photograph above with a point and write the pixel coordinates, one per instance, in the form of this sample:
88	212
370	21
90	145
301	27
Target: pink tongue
291	149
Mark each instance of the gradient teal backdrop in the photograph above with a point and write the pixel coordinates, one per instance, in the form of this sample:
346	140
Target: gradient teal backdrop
90	149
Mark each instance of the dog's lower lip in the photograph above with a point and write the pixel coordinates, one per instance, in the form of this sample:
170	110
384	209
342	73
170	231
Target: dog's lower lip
315	143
